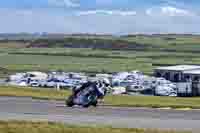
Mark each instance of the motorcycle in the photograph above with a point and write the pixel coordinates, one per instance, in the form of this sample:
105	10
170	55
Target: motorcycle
85	98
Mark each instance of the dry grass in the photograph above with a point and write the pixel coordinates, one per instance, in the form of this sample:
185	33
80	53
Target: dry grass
49	127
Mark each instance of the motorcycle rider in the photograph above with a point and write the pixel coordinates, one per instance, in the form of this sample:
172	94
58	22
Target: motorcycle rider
100	86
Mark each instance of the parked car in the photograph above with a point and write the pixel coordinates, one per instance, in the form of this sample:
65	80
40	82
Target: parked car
164	90
22	82
34	83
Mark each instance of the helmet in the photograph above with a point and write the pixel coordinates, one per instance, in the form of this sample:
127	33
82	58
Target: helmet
106	81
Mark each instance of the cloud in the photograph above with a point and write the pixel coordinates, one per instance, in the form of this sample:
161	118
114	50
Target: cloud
63	3
175	2
172	11
107	12
169	11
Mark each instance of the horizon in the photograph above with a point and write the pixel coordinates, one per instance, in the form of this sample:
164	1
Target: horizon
95	34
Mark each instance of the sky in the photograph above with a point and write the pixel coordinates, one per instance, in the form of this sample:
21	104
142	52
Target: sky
100	16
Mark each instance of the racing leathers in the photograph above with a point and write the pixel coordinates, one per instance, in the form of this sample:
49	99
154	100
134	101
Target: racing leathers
99	87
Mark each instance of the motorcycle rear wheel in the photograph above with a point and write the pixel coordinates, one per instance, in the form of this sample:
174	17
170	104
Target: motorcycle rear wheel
70	101
92	101
95	104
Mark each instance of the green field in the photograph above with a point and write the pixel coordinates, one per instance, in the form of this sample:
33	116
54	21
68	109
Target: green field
137	52
110	100
70	63
50	127
87	60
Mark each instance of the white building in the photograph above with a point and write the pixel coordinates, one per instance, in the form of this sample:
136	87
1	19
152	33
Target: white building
186	77
179	73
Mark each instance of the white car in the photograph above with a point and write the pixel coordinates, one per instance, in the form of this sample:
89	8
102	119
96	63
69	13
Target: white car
135	88
22	83
34	83
118	90
163	90
50	84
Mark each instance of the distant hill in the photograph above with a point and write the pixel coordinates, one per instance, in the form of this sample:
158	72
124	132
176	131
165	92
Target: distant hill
142	42
29	36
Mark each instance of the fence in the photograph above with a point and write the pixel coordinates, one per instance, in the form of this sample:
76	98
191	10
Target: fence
188	88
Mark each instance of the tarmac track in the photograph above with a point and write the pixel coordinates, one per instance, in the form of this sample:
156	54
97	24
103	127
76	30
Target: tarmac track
12	108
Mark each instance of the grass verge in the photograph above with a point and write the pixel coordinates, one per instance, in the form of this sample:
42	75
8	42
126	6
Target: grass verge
38	93
50	127
153	102
118	100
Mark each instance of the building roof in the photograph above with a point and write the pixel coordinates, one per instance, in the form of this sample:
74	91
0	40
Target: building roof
194	72
179	68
